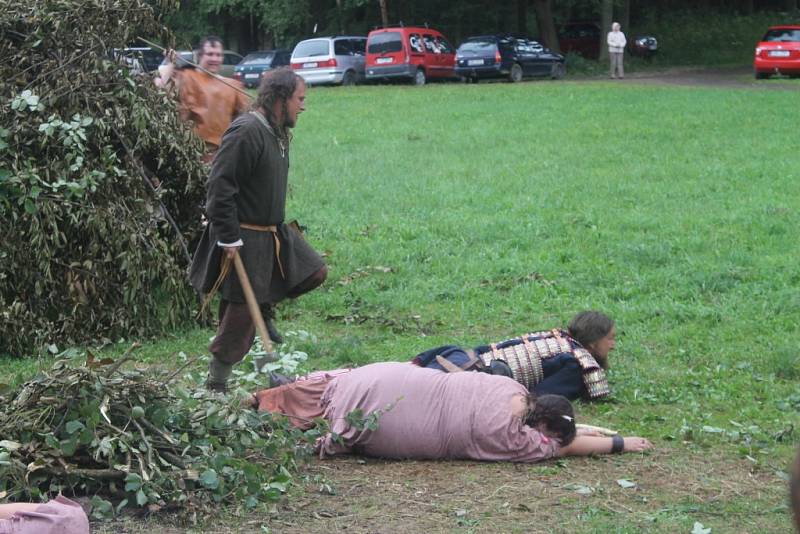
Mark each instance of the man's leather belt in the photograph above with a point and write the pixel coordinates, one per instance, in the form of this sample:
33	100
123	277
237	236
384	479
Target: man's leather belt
272	228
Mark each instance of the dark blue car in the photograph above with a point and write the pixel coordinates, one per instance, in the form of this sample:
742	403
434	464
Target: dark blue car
250	69
504	56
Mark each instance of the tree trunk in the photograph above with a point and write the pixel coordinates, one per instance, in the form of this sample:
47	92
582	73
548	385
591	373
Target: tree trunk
625	16
522	17
606	16
384	13
547	27
340	16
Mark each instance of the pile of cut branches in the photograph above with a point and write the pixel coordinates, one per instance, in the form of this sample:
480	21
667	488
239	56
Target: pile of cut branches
135	438
100	181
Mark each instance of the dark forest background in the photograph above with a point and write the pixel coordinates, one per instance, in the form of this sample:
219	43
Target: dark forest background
247	25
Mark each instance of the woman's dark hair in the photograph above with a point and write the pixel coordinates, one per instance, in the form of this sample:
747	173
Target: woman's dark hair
589	326
556	413
277	86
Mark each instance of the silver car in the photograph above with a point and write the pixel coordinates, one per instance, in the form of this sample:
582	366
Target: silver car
330	60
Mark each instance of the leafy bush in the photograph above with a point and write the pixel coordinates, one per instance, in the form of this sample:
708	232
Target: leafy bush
707	37
136	438
97	173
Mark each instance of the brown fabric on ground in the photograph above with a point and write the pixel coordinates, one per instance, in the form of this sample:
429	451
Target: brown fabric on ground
300	399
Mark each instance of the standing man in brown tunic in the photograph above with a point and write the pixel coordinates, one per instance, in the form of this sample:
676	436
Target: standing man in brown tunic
209	101
245	206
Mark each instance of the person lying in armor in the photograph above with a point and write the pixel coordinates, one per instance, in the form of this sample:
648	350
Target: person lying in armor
569	362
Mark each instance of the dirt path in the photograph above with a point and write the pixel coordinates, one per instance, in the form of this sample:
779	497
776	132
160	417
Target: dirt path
730	77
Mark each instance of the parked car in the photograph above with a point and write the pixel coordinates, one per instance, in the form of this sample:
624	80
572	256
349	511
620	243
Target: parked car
255	64
503	56
778	52
585	38
409	53
229	61
139	59
330	60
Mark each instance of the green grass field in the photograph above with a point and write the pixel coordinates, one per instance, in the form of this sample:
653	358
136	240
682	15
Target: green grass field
468	214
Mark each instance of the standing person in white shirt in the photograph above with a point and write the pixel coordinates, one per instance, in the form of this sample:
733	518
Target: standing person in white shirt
616	47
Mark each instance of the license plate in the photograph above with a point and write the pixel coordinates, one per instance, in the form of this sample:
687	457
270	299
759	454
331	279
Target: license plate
473	62
778	53
310	65
251	76
381	60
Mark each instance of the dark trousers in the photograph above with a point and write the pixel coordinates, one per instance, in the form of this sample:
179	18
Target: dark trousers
237	331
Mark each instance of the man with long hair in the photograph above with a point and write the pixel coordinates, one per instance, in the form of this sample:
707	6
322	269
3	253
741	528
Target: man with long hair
246	203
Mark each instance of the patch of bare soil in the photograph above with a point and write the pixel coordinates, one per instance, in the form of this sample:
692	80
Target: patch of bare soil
374	496
734	77
669	490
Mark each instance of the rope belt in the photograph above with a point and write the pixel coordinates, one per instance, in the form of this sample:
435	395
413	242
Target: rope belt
225	268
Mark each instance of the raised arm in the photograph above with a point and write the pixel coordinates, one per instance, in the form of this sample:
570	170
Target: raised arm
586	445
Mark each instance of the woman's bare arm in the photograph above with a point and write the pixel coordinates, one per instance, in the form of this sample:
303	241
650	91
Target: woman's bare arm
586	445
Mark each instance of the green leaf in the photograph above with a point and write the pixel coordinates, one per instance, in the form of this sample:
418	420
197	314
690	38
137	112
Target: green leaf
69	446
209	479
141	498
73	426
133	482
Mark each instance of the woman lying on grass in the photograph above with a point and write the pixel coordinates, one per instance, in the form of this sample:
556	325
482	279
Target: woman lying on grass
427	414
569	362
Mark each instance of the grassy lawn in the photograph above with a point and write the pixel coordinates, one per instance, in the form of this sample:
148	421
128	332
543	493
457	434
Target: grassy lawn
468	214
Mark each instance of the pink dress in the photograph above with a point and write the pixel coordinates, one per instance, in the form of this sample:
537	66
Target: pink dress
430	415
58	516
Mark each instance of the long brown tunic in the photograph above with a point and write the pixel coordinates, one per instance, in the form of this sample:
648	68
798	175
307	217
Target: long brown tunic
248	184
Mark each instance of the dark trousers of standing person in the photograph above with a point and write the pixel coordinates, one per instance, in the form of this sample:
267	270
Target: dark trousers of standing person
237	331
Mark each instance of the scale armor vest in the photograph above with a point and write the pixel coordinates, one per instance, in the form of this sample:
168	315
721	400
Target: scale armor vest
524	356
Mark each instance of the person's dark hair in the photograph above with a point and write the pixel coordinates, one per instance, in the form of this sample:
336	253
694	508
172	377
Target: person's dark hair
277	85
556	413
212	40
589	326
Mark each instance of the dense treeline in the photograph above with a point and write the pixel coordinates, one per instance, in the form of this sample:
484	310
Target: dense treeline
252	24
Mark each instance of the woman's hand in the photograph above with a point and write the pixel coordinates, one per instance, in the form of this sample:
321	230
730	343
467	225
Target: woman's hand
636	444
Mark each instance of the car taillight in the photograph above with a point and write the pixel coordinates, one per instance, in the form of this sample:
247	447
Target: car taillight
296	66
497	57
325	64
237	75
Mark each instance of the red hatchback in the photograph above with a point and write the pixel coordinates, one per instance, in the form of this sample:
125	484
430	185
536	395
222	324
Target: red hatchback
778	52
412	53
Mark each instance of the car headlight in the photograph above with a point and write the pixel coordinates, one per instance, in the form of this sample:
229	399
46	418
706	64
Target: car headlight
641	42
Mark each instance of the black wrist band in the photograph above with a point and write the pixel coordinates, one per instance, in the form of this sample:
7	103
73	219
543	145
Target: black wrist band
617	444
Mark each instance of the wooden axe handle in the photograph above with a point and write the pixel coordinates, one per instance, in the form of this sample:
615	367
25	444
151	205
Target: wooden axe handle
252	304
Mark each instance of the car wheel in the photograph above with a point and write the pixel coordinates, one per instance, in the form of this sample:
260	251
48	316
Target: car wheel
558	71
419	77
349	78
516	73
762	75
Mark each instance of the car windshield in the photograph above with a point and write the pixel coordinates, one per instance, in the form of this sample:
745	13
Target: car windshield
478	45
385	43
258	58
782	35
312	48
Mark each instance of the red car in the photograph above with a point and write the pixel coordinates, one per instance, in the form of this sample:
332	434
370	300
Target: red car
778	52
412	53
